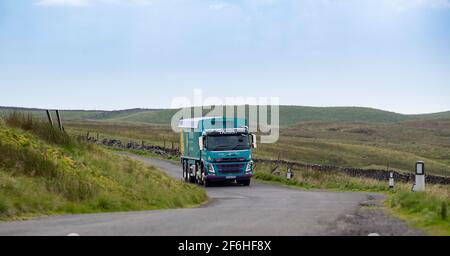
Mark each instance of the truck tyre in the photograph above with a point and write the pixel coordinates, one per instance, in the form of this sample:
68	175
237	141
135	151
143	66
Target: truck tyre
198	173
204	181
192	179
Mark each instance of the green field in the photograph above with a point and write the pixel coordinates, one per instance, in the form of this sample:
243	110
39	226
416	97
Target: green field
361	145
44	171
340	136
375	146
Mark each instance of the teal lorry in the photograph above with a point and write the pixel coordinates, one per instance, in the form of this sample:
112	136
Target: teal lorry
215	149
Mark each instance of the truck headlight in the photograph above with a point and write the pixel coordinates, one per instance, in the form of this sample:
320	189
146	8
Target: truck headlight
211	168
249	167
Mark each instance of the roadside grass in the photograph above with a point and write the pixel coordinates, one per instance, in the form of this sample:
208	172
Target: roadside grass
44	171
312	179
41	129
426	210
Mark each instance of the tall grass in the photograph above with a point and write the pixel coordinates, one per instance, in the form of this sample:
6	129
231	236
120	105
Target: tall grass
44	171
312	179
39	127
423	209
23	154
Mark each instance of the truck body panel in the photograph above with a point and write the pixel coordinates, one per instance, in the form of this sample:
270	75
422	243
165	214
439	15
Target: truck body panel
227	150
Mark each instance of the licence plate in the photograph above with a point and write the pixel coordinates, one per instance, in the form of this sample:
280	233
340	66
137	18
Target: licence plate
230	177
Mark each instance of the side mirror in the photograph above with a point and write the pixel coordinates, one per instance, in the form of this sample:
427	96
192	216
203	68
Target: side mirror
201	144
253	140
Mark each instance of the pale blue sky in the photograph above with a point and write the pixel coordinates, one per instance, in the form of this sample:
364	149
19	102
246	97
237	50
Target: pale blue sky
115	54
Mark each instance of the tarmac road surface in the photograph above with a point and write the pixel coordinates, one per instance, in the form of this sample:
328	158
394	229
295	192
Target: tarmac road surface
259	209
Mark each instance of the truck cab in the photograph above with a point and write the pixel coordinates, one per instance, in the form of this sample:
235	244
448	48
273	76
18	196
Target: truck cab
216	149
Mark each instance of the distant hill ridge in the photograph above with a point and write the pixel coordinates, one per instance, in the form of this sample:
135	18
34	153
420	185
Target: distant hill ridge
289	115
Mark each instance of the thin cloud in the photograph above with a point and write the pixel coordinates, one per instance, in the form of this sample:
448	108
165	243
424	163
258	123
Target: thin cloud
78	3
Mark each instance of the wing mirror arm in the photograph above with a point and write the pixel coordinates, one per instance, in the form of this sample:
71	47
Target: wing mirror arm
254	141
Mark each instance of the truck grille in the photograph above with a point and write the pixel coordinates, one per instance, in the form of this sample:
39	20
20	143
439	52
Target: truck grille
224	160
230	168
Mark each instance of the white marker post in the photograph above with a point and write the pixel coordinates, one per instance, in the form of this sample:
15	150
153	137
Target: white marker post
391	180
289	174
420	177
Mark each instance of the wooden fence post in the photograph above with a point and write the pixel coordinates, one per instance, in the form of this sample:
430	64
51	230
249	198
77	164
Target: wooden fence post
60	124
49	116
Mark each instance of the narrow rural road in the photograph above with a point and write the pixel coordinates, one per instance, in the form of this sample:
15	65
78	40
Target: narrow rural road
260	209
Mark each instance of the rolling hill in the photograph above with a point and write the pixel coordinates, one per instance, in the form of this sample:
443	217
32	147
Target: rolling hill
289	115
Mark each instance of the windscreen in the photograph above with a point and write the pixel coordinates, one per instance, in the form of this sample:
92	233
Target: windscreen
228	142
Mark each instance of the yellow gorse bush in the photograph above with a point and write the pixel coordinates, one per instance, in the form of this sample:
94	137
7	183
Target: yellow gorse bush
7	136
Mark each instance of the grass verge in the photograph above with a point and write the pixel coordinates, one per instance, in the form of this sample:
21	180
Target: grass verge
44	171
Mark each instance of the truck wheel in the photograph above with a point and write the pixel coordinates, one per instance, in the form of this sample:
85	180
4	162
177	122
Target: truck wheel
198	171
192	179
186	173
198	180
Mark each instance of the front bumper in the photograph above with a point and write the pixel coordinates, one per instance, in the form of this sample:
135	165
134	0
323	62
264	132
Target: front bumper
227	178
